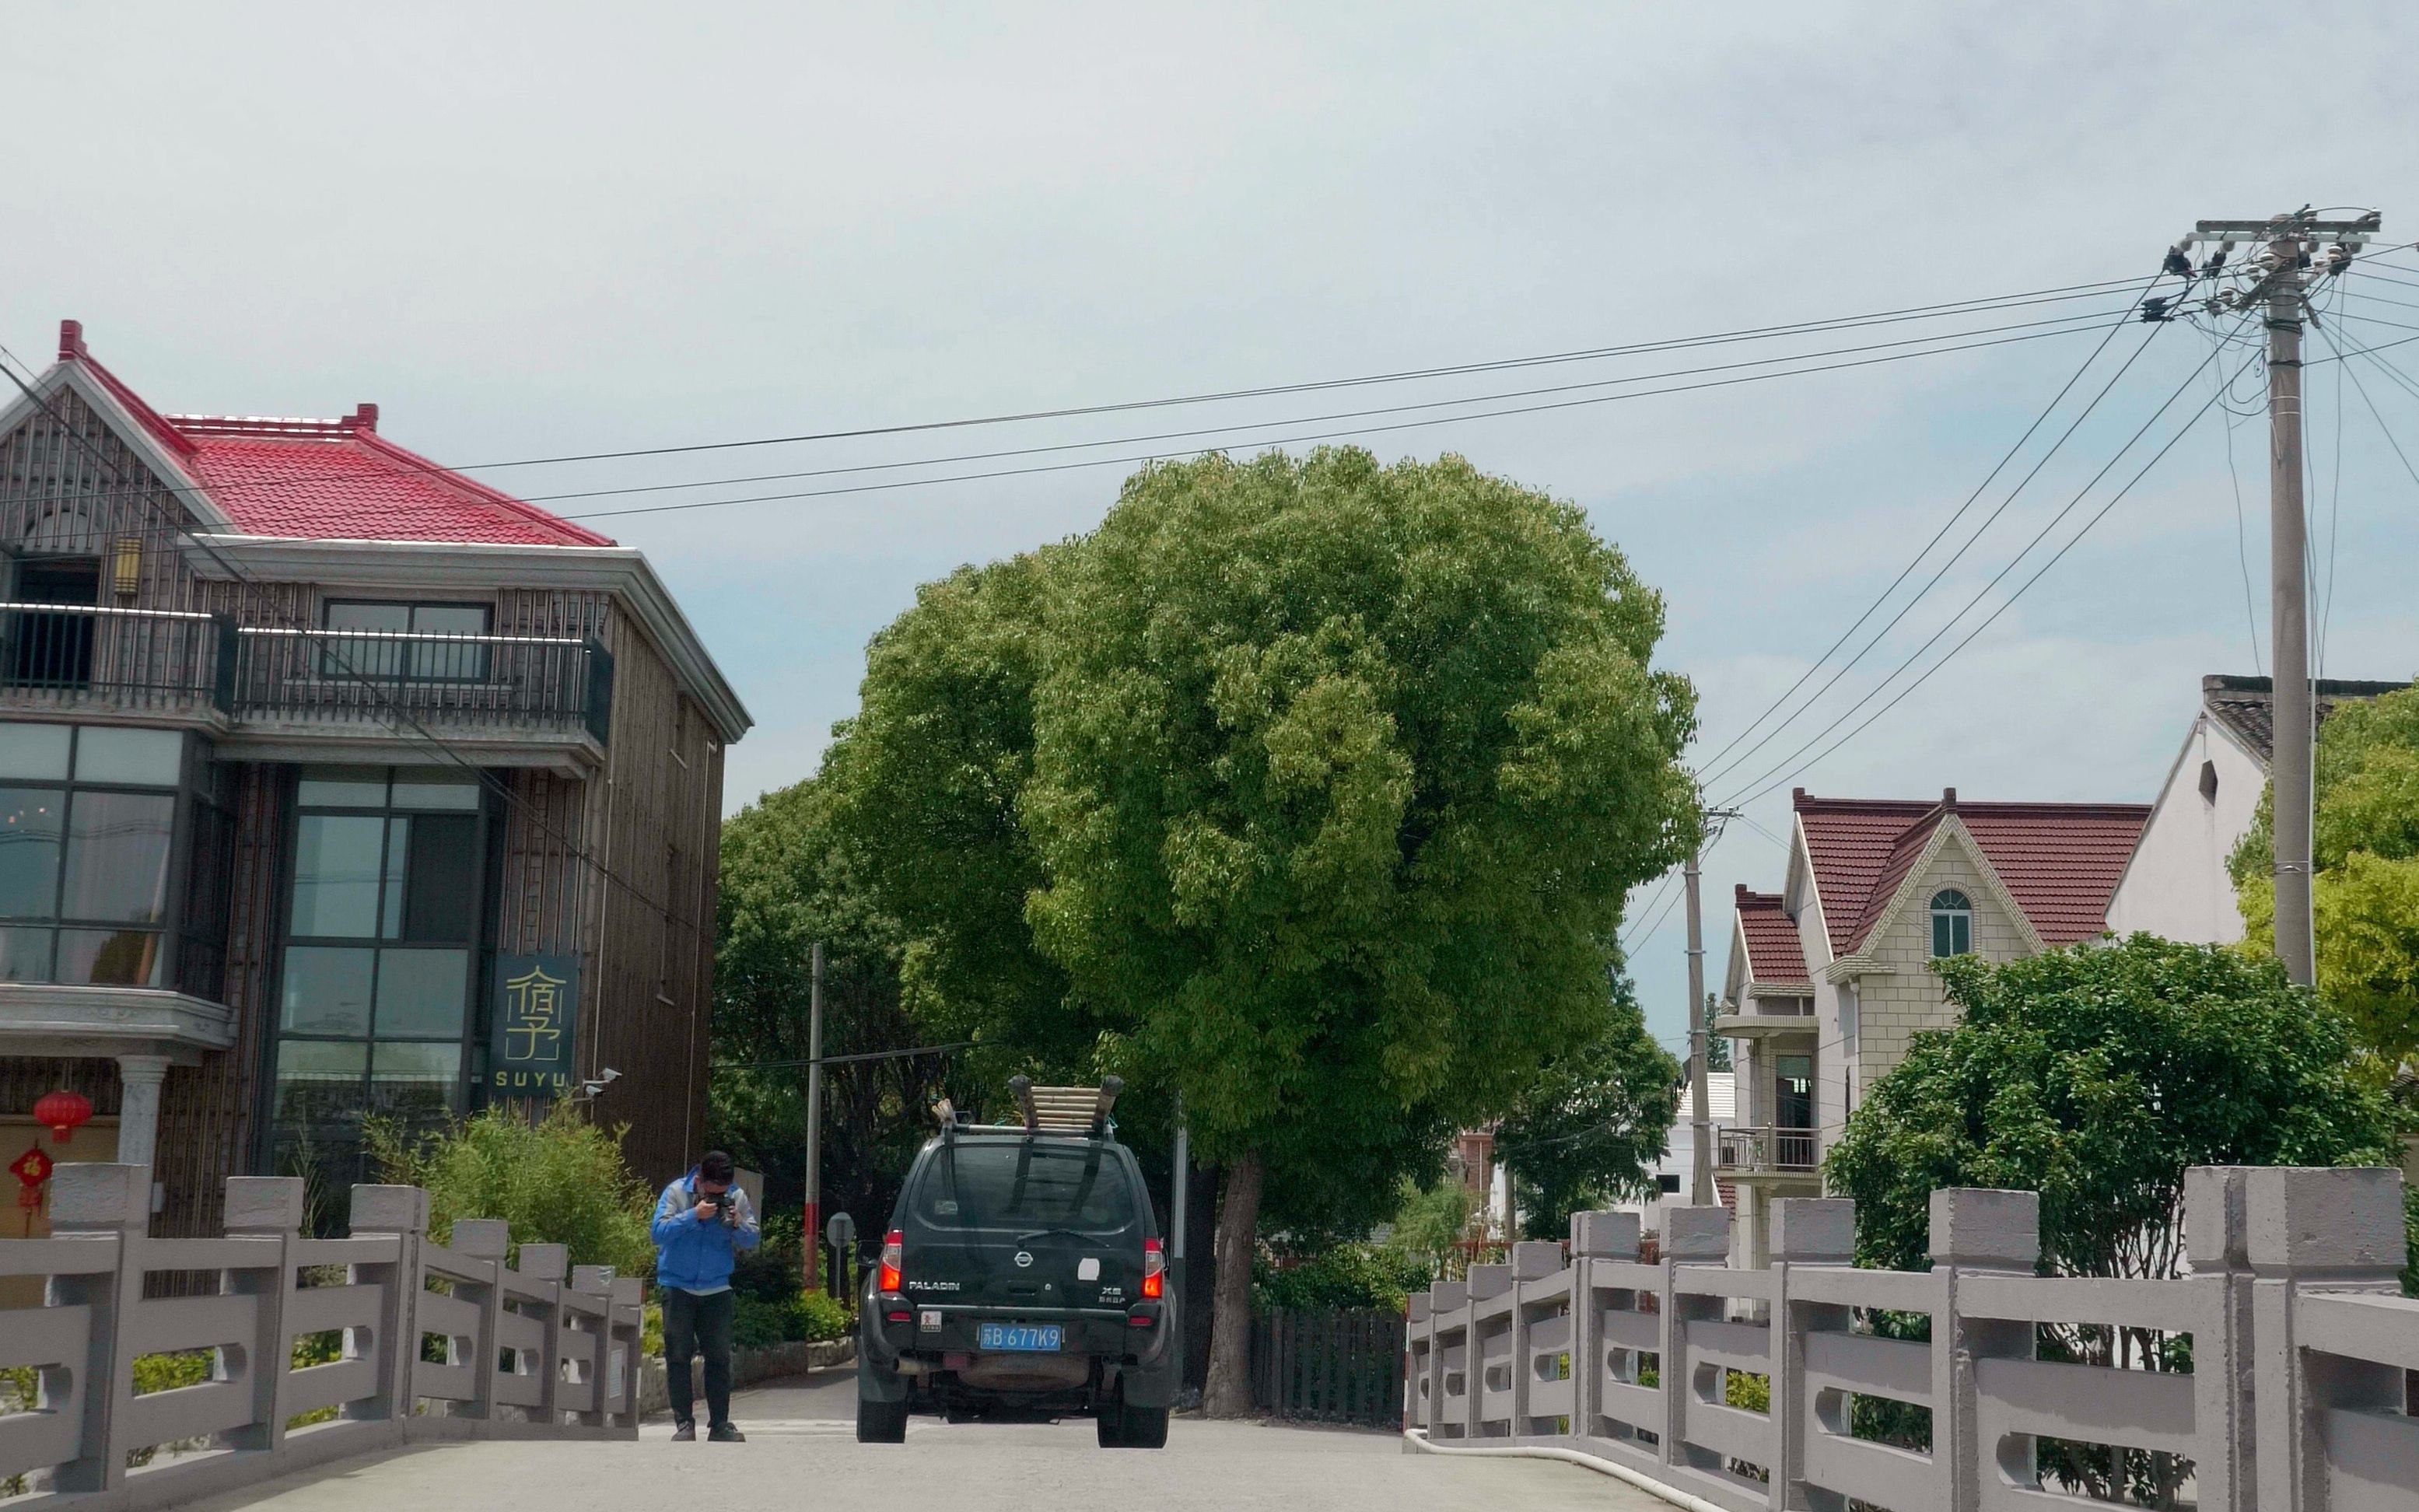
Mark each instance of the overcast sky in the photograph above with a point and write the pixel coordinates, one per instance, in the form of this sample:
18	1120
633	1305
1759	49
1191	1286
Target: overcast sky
529	230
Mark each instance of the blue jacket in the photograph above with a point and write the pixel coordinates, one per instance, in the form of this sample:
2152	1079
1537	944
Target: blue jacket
697	1257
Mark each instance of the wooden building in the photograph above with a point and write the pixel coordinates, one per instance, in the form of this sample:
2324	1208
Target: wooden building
333	784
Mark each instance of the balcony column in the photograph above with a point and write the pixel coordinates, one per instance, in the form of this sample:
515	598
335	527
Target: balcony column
139	1079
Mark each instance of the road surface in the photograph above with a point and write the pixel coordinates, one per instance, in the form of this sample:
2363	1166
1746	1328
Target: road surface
802	1451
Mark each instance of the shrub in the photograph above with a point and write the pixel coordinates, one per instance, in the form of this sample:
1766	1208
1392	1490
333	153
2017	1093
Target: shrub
559	1181
757	1324
1346	1275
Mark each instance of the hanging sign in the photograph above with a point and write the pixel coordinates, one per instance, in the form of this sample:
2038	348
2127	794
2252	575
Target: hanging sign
536	1003
32	1169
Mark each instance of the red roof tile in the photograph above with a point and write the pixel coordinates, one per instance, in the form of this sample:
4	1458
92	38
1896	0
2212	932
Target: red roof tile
330	480
2061	861
1774	952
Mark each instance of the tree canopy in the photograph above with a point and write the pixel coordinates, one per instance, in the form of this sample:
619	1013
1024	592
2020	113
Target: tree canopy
2094	1075
1588	1131
1308	786
2365	893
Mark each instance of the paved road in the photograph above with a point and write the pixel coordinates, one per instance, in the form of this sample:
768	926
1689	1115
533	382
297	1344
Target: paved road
802	1452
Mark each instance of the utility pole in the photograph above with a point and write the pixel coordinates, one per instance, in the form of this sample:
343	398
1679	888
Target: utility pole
2283	271
1179	1191
1700	1126
814	1214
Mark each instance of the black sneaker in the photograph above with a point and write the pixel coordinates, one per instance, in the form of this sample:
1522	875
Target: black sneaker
724	1433
684	1432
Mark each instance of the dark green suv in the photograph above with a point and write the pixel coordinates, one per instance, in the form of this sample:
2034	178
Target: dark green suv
1022	1273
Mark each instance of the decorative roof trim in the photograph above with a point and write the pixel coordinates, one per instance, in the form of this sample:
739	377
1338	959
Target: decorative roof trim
621	570
1862	961
93	384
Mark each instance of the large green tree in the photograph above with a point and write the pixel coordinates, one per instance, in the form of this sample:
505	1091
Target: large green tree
1588	1131
1311	787
2365	893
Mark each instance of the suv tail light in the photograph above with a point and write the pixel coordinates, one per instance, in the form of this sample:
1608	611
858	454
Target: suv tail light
894	1255
1154	1270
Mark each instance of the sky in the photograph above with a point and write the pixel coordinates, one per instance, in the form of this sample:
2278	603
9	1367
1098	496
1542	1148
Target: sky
533	230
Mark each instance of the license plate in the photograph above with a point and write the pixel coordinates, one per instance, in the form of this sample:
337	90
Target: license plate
1028	1337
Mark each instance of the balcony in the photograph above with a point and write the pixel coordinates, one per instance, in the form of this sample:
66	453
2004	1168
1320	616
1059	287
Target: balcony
1762	1017
1749	1153
298	690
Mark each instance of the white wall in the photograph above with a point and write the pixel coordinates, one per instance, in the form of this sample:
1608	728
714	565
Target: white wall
2176	884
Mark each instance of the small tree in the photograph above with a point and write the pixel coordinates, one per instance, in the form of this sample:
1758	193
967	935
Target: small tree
559	1181
2095	1075
1588	1133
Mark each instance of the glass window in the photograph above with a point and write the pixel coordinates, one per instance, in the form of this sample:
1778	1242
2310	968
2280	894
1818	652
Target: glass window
309	1061
422	993
117	855
434	788
32	822
327	989
1024	1186
336	872
367	651
110	958
36	750
343	787
1792	1086
417	1063
437	884
144	758
365	654
1952	924
24	954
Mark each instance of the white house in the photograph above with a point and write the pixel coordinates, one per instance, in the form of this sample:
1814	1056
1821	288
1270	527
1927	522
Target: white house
2175	884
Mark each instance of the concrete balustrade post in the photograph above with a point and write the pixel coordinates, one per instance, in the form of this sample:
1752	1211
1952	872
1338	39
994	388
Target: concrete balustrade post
1532	1260
488	1240
2315	1230
1974	1231
2216	1246
110	1204
549	1264
268	1209
1691	1236
628	1324
1448	1309
597	1281
1806	1233
1595	1237
393	1345
1416	1347
1484	1283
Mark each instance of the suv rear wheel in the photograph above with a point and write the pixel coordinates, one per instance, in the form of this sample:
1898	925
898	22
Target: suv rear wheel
887	1422
1122	1425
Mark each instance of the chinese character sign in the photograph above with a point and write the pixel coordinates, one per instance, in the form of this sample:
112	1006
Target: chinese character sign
536	1003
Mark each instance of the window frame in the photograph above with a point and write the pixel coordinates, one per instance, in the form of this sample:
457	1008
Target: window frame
407	668
169	929
1958	917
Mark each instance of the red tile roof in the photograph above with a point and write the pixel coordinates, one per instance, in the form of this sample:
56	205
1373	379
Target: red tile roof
2061	861
329	480
1774	952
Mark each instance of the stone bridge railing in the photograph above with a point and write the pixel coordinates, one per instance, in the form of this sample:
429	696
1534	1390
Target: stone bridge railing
2294	1399
437	1342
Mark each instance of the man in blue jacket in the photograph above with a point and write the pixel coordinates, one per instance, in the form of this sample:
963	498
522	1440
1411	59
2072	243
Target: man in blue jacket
702	1223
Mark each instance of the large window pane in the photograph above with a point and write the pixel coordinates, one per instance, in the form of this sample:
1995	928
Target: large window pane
416	1063
36	750
24	954
398	856
118	857
110	958
336	867
443	662
316	1060
343	787
437	885
327	989
148	758
418	787
368	654
421	993
31	822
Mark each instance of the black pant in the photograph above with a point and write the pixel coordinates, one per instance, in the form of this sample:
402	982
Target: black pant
695	1325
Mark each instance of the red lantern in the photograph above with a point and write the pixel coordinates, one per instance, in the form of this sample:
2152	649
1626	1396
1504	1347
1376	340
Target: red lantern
63	1112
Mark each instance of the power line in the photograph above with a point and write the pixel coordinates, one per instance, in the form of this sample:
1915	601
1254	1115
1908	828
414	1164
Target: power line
2011	601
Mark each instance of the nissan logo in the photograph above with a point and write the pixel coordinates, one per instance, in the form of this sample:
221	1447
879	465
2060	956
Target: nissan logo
1024	1258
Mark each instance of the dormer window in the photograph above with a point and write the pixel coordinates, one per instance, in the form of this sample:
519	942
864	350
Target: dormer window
1952	924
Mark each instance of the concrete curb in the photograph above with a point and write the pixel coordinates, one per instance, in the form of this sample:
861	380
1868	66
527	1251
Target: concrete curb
747	1368
1416	1441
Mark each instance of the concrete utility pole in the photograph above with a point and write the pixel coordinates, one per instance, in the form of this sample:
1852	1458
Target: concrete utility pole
815	1114
1700	1126
2283	271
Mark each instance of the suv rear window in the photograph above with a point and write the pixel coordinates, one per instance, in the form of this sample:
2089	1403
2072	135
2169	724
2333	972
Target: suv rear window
1024	1186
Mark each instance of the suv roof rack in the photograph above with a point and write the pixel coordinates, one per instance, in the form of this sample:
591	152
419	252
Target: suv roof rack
1059	1110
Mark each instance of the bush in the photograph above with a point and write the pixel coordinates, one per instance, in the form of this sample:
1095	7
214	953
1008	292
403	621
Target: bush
1348	1275
757	1324
559	1181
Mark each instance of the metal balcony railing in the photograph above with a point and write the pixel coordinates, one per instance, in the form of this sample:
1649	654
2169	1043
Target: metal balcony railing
79	657
1757	1149
88	657
482	683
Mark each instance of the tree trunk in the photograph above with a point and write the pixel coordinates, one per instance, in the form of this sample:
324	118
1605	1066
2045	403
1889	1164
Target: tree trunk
1228	1392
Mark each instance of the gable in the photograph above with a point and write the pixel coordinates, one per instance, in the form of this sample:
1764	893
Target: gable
78	475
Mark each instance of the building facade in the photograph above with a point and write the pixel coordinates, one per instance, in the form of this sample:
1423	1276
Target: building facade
1877	890
333	785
